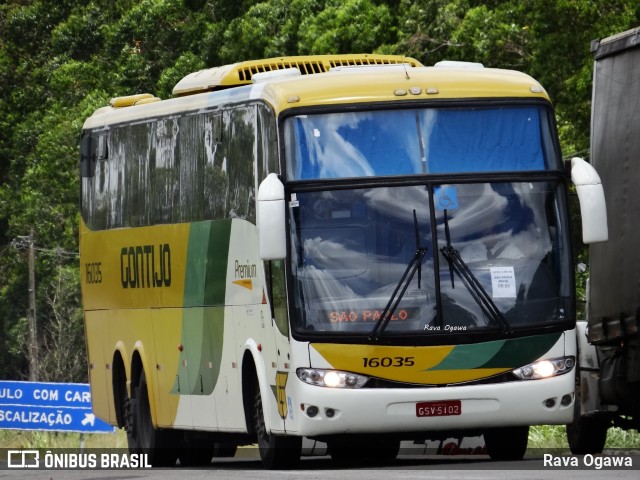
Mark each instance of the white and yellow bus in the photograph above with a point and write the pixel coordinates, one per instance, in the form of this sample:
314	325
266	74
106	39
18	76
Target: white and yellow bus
356	249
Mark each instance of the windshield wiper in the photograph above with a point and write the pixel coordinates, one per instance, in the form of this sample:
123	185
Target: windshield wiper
415	264
477	291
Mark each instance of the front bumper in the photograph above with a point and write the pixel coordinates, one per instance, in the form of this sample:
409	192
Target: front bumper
382	410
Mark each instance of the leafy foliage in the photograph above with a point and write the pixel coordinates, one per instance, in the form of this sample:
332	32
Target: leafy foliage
60	60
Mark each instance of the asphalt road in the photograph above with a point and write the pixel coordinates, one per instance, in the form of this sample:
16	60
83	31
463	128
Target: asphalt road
246	465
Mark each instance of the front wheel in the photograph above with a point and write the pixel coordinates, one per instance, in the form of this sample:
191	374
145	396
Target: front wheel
507	443
277	452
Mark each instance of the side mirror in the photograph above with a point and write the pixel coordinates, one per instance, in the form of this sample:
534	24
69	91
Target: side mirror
593	208
271	219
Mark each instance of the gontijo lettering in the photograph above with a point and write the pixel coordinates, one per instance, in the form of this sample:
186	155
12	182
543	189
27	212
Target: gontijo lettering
145	266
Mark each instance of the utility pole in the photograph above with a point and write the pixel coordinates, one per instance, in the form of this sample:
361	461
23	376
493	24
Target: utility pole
33	324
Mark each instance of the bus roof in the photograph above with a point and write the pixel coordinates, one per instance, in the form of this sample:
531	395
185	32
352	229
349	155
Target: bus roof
242	73
354	83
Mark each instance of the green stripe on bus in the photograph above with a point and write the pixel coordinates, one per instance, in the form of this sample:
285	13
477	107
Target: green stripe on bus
202	335
203	315
469	356
520	351
207	257
509	353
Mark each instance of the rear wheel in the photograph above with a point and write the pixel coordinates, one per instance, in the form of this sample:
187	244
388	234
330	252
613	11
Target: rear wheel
277	452
158	444
507	443
128	408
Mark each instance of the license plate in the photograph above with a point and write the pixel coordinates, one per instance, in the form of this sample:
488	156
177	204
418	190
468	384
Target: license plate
442	408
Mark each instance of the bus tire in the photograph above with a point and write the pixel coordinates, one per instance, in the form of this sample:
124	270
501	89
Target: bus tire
130	424
507	443
276	452
157	443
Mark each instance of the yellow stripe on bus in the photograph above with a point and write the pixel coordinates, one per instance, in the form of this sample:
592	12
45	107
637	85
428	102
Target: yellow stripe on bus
400	364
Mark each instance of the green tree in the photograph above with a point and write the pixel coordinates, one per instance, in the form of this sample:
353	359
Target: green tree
60	60
351	26
62	348
268	29
549	40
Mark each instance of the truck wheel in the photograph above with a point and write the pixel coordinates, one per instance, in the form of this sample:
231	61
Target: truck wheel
276	452
157	443
507	443
585	434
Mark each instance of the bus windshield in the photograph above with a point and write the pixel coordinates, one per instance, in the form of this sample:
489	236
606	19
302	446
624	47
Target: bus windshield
350	249
418	141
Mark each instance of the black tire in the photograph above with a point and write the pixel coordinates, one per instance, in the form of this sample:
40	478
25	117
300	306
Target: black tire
158	444
276	452
130	407
586	435
507	443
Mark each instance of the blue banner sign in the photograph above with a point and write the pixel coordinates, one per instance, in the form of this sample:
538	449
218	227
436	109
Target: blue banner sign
49	406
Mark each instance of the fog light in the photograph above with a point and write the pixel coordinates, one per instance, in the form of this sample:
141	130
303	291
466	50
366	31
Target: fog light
329	412
312	411
566	400
550	402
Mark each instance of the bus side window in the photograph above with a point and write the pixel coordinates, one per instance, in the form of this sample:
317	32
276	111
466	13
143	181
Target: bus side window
277	291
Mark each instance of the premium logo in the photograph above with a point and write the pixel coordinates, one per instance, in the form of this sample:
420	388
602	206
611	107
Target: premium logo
245	273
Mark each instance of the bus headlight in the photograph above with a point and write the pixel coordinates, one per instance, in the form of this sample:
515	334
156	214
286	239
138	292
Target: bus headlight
545	368
331	378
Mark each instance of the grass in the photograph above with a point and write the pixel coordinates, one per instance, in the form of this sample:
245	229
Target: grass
553	436
31	439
